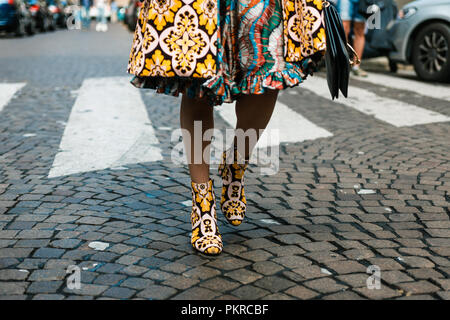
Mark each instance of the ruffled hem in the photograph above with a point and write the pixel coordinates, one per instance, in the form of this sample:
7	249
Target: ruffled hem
289	77
171	86
221	89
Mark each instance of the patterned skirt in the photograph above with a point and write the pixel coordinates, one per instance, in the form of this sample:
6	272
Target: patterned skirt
252	58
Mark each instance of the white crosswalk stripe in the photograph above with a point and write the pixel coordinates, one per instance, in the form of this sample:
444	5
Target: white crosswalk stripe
290	126
7	91
394	112
436	91
108	127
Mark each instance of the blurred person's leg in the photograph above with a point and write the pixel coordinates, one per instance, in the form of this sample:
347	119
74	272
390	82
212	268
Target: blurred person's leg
344	9
359	25
100	19
83	17
78	13
104	21
359	39
87	18
114	15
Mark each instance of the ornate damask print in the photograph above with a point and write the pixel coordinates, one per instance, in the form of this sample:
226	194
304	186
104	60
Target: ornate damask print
207	13
223	49
163	11
175	38
136	60
157	66
233	202
205	236
150	39
304	31
206	69
185	42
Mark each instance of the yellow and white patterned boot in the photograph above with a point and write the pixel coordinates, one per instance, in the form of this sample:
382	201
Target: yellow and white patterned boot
233	202
205	233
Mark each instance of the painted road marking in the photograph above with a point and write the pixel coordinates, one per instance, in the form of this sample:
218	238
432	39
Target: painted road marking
108	127
290	125
7	91
420	87
395	112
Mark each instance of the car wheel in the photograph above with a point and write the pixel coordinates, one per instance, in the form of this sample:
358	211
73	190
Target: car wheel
430	54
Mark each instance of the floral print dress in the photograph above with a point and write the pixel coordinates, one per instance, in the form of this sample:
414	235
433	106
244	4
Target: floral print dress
249	49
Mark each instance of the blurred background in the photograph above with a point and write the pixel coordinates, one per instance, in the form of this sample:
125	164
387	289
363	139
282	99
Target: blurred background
394	46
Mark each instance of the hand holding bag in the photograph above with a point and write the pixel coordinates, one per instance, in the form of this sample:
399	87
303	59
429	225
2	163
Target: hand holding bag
338	52
313	26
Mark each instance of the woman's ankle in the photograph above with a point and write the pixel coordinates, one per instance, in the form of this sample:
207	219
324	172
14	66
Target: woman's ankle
200	180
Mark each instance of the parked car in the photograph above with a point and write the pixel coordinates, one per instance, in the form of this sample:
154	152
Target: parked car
41	14
421	36
132	14
377	41
15	17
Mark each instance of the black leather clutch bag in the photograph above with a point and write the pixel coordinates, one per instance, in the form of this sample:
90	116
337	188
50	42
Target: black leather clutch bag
339	55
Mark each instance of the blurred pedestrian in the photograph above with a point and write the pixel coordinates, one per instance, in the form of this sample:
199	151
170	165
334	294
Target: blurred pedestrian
85	9
348	10
114	11
101	16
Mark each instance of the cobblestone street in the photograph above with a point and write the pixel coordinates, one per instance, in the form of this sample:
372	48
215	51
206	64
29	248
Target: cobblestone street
363	181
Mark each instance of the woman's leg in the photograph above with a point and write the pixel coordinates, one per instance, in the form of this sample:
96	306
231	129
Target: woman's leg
192	110
254	112
205	236
359	28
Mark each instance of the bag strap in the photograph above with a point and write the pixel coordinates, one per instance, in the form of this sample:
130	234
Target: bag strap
356	59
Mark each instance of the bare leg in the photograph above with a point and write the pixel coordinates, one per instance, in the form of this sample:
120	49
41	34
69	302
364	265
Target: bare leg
205	236
359	38
196	110
347	25
254	112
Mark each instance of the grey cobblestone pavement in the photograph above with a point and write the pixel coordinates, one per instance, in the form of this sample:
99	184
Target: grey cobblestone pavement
311	231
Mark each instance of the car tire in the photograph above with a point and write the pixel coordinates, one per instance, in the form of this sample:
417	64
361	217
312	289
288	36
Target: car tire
431	54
